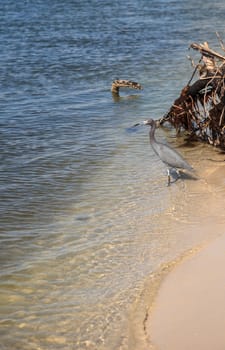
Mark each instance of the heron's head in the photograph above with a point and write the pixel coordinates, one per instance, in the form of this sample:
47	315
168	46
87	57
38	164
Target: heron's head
149	122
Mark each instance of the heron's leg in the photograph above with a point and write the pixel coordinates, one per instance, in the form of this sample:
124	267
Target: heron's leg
168	176
174	173
178	173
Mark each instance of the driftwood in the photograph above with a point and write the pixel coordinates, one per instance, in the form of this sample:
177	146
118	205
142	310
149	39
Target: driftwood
200	108
121	83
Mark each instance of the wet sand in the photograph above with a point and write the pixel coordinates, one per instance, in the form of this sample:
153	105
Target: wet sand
188	311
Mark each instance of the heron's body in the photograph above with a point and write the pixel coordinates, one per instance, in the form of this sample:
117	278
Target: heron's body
168	155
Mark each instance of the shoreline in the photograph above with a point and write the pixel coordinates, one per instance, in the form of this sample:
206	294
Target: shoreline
197	219
188	311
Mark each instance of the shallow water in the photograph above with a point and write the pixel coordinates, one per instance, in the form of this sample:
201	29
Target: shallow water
86	215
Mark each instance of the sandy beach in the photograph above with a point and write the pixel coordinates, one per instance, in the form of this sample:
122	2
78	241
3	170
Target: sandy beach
188	312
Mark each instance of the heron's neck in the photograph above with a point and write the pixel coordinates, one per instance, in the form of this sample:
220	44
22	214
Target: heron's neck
152	134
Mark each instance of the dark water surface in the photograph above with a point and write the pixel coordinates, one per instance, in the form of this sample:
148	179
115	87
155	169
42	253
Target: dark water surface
85	213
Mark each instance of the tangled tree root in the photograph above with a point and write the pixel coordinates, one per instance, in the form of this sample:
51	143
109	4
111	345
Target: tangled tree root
200	108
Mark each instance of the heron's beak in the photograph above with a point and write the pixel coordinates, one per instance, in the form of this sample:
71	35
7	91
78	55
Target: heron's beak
136	124
141	123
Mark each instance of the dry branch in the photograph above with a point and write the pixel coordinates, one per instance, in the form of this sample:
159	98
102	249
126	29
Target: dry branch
121	83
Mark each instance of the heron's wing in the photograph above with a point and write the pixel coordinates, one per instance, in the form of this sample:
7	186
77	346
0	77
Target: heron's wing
170	156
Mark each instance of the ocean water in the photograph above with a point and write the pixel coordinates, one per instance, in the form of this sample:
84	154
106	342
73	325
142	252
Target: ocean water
86	215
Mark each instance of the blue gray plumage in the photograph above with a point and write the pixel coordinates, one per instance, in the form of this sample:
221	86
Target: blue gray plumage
167	154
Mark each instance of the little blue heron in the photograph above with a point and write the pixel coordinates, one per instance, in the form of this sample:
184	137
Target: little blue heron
168	155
